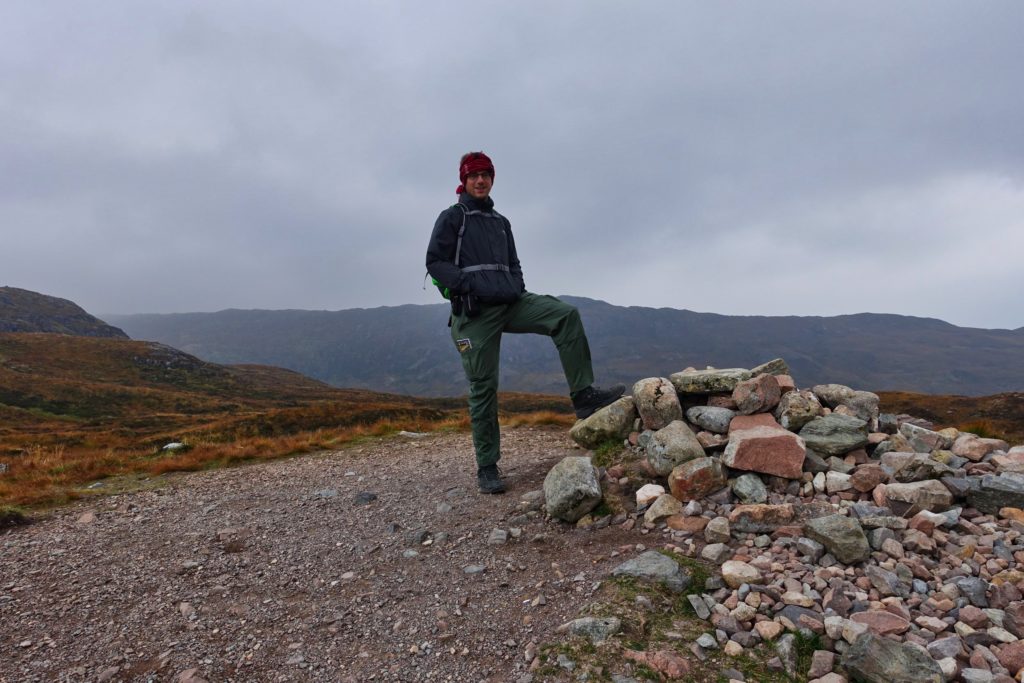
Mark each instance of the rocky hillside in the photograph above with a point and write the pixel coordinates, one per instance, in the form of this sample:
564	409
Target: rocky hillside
24	311
407	350
879	548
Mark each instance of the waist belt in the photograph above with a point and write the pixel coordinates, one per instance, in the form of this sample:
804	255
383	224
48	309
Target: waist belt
485	266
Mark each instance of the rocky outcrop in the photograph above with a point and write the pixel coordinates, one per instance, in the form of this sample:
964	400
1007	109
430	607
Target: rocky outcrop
22	310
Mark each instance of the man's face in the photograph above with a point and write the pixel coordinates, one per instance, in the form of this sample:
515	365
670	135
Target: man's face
479	184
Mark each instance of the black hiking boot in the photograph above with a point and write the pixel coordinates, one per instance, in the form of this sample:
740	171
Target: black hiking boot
588	401
489	479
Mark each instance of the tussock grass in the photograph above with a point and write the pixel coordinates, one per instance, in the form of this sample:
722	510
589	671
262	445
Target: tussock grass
74	410
56	473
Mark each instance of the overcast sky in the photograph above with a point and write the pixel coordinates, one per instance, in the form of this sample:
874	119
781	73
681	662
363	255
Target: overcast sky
782	158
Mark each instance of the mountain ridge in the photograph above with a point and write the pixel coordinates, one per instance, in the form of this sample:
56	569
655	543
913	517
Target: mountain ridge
405	349
22	310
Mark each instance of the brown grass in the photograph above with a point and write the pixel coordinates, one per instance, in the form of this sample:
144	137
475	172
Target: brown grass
54	474
74	410
1000	416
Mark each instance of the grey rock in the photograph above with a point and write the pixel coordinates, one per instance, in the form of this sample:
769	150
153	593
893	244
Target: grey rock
749	488
416	536
832	395
842	536
924	440
928	495
707	641
886	583
945	647
836	464
595	629
776	366
865	406
700	607
657	402
473	569
572	489
835	434
884	522
716	552
810	548
874	659
611	423
365	497
711	418
960	486
709	381
862	510
497	537
664	506
797	408
971	675
995	492
653	567
785	646
974	589
717	530
897	443
922	466
876	537
672	446
813	462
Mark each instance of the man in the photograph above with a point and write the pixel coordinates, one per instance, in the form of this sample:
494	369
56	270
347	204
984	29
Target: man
472	259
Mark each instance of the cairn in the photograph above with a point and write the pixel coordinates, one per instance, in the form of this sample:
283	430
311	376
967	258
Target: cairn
899	546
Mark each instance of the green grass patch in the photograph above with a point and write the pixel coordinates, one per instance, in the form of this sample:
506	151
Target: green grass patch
804	644
607	454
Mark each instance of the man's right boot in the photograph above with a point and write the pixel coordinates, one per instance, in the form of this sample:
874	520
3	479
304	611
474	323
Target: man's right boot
489	479
588	401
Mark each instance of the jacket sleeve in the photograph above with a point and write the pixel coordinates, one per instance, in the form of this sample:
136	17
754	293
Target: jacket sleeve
514	268
441	253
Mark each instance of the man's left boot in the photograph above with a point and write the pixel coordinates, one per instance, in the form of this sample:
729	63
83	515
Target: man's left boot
489	479
588	401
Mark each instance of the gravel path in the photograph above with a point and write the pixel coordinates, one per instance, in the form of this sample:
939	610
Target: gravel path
285	571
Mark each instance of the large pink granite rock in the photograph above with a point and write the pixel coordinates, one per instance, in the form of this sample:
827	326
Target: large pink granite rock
764	447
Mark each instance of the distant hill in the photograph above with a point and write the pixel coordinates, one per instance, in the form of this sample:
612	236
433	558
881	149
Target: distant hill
24	311
407	349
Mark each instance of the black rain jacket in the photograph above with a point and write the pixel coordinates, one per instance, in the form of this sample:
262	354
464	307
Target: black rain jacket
487	239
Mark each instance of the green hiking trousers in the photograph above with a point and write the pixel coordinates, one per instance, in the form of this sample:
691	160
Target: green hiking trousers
479	342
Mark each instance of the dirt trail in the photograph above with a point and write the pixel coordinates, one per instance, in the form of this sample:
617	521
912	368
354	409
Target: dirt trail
279	572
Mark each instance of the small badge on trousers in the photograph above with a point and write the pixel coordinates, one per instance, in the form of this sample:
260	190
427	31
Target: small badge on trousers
463	345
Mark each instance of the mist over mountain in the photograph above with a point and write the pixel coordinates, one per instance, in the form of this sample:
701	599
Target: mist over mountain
408	350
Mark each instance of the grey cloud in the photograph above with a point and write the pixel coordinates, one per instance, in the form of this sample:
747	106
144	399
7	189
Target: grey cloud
297	156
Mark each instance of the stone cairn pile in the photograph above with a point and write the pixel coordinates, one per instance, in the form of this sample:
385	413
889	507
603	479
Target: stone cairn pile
899	546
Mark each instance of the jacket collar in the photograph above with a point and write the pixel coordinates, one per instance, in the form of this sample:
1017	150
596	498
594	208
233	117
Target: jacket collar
474	204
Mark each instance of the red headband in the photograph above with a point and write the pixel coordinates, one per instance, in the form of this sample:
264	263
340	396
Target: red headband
474	162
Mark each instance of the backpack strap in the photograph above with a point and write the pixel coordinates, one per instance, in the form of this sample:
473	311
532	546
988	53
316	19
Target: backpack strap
462	229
